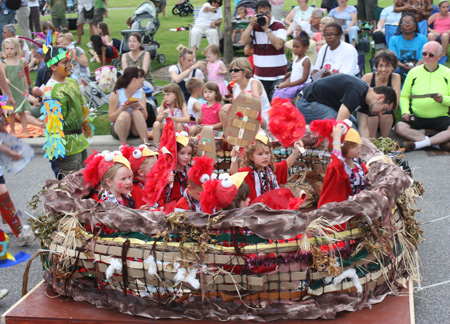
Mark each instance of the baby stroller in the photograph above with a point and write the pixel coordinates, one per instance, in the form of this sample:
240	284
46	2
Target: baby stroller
183	8
145	15
250	5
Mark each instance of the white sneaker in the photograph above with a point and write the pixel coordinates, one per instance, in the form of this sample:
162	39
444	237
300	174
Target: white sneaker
5	228
92	59
89	44
26	236
3	293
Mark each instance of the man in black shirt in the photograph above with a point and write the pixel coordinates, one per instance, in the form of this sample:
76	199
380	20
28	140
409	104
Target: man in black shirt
339	95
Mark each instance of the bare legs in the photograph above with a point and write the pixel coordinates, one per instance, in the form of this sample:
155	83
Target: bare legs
444	41
133	122
385	123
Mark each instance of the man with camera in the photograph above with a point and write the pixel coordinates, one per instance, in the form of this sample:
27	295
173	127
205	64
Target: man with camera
424	102
268	37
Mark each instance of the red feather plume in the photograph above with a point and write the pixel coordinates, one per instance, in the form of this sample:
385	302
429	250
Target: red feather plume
157	178
202	165
208	197
90	173
323	128
127	151
286	122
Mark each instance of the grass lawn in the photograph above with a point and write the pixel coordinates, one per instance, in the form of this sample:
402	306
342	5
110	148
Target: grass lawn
121	10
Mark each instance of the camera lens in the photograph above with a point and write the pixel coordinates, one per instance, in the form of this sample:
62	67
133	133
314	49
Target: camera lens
261	19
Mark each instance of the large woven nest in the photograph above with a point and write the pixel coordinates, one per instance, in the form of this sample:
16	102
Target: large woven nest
238	264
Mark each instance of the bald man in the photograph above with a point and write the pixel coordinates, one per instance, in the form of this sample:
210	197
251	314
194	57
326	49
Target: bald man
430	111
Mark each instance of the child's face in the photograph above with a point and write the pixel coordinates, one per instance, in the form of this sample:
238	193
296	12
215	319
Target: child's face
443	7
169	98
10	50
298	48
146	166
121	182
261	157
209	95
195	191
354	152
245	203
184	156
63	68
210	57
242	13
133	43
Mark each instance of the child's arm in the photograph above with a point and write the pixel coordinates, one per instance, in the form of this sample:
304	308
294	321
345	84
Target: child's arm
7	150
199	119
162	113
337	134
223	69
185	118
306	68
197	107
234	166
24	64
294	156
146	62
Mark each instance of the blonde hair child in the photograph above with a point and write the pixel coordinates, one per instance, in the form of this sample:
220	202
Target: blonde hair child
264	174
216	68
173	106
14	68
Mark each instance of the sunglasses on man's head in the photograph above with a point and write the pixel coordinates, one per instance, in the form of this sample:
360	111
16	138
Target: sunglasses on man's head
236	70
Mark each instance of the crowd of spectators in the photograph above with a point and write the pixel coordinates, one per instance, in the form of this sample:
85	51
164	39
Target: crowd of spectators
332	51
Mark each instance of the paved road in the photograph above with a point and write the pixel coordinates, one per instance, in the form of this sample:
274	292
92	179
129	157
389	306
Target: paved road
431	303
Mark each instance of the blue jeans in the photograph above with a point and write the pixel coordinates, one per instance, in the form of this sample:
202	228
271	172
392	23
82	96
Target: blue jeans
9	18
314	110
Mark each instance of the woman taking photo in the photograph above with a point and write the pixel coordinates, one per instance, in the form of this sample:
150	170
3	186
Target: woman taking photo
186	69
385	63
241	74
127	106
137	56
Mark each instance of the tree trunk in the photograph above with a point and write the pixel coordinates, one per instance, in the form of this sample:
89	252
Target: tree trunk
227	44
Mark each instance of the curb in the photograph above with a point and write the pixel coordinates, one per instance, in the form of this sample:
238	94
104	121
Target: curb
99	142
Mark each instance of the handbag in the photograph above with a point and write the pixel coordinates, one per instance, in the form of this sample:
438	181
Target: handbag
296	183
88	14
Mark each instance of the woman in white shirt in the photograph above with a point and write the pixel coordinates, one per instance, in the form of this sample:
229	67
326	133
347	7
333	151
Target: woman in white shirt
336	56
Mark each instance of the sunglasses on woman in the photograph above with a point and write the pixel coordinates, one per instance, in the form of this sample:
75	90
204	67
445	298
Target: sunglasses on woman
236	70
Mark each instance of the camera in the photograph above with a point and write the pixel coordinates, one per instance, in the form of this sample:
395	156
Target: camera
261	19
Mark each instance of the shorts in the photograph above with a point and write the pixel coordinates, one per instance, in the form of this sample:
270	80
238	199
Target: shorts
2	180
114	135
99	13
62	167
60	22
438	124
82	20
